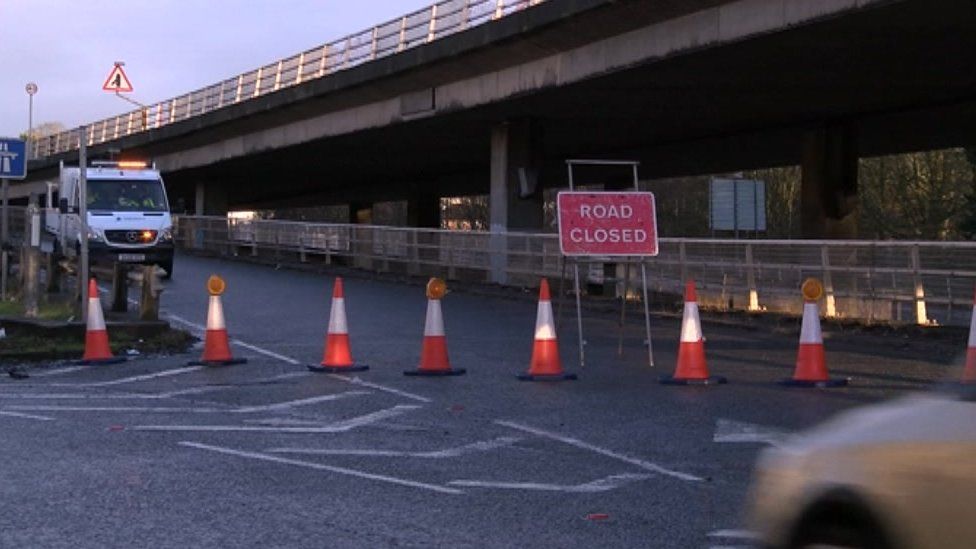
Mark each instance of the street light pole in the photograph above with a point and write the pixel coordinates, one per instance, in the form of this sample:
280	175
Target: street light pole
31	89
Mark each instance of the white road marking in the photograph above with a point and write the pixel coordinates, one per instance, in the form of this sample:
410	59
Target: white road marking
601	485
322	467
732	534
26	416
738	431
139	409
301	402
280	421
59	371
77	396
339	427
483	446
602	451
187	409
133	379
356	381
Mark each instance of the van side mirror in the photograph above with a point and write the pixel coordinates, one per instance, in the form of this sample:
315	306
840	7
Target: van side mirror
63	205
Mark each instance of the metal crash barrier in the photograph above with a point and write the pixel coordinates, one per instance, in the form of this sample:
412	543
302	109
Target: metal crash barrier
874	281
414	29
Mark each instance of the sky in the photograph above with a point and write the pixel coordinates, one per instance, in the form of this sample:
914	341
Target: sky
170	47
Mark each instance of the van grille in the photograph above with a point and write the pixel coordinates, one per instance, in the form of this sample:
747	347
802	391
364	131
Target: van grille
130	237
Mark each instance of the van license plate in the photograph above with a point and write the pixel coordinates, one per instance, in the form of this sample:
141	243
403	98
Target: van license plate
128	258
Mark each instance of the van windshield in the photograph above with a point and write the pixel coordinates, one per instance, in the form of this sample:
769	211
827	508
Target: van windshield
126	195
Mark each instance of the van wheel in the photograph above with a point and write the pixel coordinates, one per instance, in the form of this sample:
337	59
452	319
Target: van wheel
168	267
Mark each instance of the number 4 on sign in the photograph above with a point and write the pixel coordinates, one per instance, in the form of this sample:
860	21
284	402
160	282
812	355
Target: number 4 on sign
117	81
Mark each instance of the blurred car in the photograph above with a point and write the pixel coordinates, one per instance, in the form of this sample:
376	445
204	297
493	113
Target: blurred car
896	475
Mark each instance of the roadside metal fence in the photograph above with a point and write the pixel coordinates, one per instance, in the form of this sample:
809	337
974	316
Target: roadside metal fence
414	29
874	281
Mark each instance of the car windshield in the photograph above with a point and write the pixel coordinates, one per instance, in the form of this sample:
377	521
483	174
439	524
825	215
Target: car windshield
126	195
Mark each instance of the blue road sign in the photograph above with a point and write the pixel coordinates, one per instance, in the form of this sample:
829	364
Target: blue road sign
13	158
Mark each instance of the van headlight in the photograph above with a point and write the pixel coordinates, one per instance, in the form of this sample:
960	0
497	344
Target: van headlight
166	235
94	235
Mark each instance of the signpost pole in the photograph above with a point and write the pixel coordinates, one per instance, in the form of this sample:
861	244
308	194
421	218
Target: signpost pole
647	311
83	213
5	230
576	286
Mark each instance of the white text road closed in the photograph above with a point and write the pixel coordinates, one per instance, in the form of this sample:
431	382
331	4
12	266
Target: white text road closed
607	223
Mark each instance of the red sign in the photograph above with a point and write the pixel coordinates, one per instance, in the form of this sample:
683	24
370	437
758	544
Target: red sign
607	223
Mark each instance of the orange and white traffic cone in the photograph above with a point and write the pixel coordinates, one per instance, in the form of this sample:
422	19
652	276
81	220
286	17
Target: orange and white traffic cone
337	356
216	345
97	350
692	368
545	364
811	366
433	355
969	374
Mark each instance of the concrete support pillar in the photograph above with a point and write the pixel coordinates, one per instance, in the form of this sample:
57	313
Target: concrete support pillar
515	198
199	198
828	195
210	199
361	213
424	211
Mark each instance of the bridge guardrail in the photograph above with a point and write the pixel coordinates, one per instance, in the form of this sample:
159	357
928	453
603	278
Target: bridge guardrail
917	282
414	29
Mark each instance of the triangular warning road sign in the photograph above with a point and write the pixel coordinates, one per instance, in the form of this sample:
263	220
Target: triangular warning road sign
117	81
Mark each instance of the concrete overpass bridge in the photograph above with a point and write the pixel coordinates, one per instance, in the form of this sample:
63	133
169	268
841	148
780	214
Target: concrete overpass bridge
490	97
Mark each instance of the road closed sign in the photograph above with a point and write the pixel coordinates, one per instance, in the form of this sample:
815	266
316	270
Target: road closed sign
607	224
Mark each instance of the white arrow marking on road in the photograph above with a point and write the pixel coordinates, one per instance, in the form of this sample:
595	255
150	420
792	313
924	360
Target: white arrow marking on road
322	467
300	402
602	451
738	431
483	446
356	381
26	416
601	485
338	427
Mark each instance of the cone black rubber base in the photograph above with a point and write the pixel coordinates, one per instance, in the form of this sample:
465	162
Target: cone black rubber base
435	373
548	377
835	382
230	362
337	369
100	361
712	380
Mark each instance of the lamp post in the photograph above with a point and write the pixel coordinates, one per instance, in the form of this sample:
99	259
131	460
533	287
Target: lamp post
31	89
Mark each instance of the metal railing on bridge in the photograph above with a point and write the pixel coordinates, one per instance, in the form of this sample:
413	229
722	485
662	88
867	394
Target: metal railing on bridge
920	282
420	27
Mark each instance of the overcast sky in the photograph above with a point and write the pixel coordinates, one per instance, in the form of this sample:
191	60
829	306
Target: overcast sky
170	47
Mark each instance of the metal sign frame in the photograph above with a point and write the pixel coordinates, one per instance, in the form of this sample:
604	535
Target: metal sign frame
633	164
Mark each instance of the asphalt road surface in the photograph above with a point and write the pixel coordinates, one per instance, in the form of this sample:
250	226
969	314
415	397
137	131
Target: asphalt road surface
153	453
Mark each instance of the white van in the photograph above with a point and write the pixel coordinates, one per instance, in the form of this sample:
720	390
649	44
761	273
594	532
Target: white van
128	214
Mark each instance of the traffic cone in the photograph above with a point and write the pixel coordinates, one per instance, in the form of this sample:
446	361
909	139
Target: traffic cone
969	374
811	367
216	347
337	357
545	364
97	350
433	355
692	368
